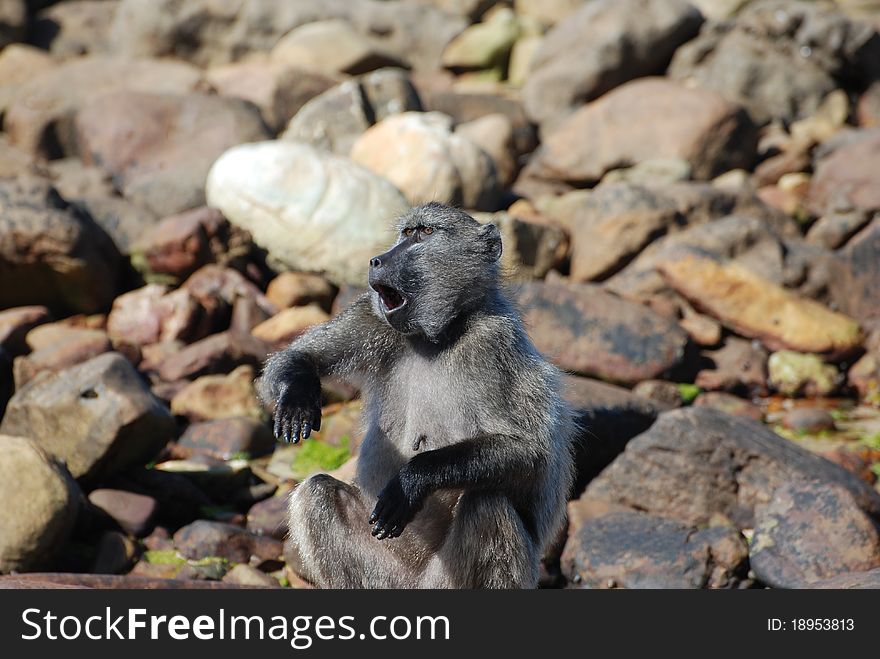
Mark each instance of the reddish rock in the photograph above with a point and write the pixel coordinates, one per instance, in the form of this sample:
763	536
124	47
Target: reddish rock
218	353
729	404
583	328
51	97
286	325
59	348
269	517
868	107
159	147
133	512
808	420
850	176
223	438
153	314
647	119
854	284
181	244
203	539
216	287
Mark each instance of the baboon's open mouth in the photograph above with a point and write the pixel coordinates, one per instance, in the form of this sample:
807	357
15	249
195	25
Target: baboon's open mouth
391	298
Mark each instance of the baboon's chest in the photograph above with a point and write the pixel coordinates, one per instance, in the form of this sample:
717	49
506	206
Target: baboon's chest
435	407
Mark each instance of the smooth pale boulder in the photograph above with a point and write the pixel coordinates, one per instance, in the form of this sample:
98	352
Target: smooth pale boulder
41	502
98	417
311	210
757	308
420	154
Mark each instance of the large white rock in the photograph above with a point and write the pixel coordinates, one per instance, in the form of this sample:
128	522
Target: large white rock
419	153
311	210
40	503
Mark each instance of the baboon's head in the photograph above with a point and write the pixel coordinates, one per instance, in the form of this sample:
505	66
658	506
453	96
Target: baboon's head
443	265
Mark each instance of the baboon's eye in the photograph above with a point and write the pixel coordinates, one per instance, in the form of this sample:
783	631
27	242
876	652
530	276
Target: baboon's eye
408	232
428	231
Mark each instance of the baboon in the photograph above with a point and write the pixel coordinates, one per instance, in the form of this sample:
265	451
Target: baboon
466	464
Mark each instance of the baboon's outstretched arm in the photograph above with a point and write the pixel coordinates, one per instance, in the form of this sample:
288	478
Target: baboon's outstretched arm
351	343
492	462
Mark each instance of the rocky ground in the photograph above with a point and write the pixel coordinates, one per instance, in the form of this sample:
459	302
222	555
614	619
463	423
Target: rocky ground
690	200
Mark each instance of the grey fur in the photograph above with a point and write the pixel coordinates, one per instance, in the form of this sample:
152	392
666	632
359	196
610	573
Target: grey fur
468	441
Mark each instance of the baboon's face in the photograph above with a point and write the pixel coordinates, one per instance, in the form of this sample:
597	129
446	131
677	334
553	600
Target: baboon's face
442	264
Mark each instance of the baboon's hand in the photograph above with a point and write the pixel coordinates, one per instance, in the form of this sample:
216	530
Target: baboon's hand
297	410
398	503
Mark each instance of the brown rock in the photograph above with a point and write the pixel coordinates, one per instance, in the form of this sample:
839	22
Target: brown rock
621	129
297	289
600	46
587	330
216	287
725	464
635	550
494	134
219	397
45	500
218	353
756	308
74	28
848	177
181	244
278	89
20	63
868	107
97	416
152	314
808	420
55	95
809	531
15	325
665	395
245	575
729	404
269	517
286	325
59	347
159	148
133	512
50	253
854	284
740	367
203	539
224	438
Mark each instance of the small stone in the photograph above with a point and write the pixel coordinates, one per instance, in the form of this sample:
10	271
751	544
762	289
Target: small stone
666	395
226	438
219	397
269	517
740	366
288	324
181	244
297	289
729	404
218	353
810	420
798	374
203	539
245	575
484	45
133	512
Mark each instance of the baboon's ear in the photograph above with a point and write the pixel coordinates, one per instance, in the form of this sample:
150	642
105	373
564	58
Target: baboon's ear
492	238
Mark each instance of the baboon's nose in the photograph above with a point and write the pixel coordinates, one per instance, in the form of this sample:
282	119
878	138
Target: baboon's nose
375	262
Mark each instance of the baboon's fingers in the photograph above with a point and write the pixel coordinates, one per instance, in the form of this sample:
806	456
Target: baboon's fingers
306	429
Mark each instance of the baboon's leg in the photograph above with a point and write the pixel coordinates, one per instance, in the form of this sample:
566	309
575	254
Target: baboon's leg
487	547
329	541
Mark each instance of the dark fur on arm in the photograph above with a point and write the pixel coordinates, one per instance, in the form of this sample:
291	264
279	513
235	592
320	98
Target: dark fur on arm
493	462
